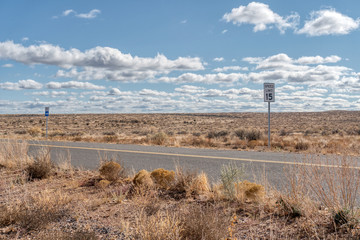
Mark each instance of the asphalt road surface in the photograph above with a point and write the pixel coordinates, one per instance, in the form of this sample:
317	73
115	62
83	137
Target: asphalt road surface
258	166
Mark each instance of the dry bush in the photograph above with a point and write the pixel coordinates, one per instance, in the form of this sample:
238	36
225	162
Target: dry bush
143	178
159	138
41	167
13	154
35	131
204	223
248	191
302	145
34	211
159	226
163	178
199	185
334	181
111	171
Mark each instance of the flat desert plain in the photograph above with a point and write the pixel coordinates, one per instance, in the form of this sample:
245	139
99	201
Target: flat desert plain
320	132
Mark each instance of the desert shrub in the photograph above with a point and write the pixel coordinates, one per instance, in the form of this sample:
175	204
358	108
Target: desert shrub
35	131
302	145
111	138
13	154
230	175
159	138
289	206
57	133
240	133
20	132
102	183
283	133
157	227
109	133
111	171
143	178
253	135
198	185
246	190
41	167
204	222
60	235
163	178
35	211
218	134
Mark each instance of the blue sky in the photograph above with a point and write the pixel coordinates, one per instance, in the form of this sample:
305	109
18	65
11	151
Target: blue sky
178	56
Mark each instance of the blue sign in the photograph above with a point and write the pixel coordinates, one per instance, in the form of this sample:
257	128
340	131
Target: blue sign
46	111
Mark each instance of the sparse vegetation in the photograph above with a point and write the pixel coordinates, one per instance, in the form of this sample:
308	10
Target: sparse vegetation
317	202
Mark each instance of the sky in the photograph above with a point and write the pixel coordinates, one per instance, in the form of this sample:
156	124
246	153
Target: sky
172	56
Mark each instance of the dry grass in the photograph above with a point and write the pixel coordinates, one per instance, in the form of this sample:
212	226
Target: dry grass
318	203
322	132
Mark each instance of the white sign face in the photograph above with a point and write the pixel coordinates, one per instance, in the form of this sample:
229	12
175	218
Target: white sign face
269	92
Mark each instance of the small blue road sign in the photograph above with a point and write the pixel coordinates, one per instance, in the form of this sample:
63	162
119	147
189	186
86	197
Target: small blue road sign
46	111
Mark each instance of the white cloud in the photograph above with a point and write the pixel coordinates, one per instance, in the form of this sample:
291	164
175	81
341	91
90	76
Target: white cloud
22	84
329	22
25	39
318	60
260	15
224	31
8	65
231	68
219	78
92	14
114	91
52	94
98	57
183	21
218	59
73	85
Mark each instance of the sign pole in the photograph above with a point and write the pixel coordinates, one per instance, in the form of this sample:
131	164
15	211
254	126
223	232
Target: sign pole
269	144
47	110
269	96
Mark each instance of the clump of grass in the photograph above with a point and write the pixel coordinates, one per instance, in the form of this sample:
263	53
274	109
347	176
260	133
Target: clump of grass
111	171
163	178
41	167
159	138
35	131
35	211
302	145
143	178
249	191
13	154
157	227
204	222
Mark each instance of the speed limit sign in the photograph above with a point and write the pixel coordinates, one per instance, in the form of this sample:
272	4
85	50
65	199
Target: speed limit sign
269	92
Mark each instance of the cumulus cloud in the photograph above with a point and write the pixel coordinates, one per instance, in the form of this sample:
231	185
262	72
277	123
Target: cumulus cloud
106	62
114	91
218	59
219	78
260	15
231	68
20	85
73	85
329	22
92	14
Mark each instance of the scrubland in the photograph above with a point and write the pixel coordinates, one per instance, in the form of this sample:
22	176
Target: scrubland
321	132
43	200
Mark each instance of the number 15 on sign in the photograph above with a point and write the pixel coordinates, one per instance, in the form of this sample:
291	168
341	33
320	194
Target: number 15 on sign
269	92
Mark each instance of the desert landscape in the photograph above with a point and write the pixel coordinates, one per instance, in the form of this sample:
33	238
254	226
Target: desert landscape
43	200
329	132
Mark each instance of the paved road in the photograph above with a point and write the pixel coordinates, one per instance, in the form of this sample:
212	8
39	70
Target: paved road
257	164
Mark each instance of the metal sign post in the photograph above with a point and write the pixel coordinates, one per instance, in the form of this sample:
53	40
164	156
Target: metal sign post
47	116
269	96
